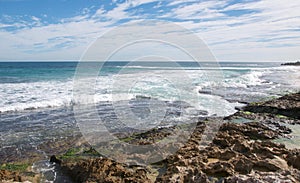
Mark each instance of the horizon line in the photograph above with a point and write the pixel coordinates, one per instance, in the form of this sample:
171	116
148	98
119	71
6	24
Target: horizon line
2	61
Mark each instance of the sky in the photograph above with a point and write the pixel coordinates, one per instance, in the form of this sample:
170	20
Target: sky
60	30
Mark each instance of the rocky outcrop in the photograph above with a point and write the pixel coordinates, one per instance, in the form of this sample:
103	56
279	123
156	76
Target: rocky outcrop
104	170
238	149
242	151
15	176
293	158
288	105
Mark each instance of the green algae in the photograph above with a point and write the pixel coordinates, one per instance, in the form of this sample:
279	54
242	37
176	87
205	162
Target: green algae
20	167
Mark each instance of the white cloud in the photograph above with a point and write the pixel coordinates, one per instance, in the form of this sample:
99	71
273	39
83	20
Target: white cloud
271	32
177	2
51	41
118	12
202	10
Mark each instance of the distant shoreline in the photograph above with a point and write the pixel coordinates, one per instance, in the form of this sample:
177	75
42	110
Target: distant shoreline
292	63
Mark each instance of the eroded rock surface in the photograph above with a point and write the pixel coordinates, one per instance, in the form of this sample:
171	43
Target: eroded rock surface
242	151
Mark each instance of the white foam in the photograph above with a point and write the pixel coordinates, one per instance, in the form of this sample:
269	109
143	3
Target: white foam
21	96
253	78
216	105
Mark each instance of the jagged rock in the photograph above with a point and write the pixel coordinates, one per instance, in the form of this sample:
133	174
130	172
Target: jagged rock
263	177
104	170
293	158
10	175
241	146
220	168
252	130
215	152
271	165
242	164
288	105
184	174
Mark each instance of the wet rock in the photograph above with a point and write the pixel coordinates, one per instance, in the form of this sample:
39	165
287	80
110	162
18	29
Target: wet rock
253	130
58	146
104	170
53	159
207	92
288	105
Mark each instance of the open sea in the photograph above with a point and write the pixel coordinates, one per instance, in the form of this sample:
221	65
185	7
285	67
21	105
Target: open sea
36	98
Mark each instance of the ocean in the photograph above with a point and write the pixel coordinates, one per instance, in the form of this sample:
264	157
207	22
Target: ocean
37	85
38	99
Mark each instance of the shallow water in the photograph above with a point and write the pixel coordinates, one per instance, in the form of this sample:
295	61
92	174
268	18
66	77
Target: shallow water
294	141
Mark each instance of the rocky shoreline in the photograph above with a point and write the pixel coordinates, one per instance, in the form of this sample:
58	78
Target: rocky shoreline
243	150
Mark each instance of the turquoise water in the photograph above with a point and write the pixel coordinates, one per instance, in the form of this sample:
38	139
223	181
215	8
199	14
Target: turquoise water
11	72
294	140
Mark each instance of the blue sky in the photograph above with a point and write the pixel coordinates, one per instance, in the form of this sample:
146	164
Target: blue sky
247	30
